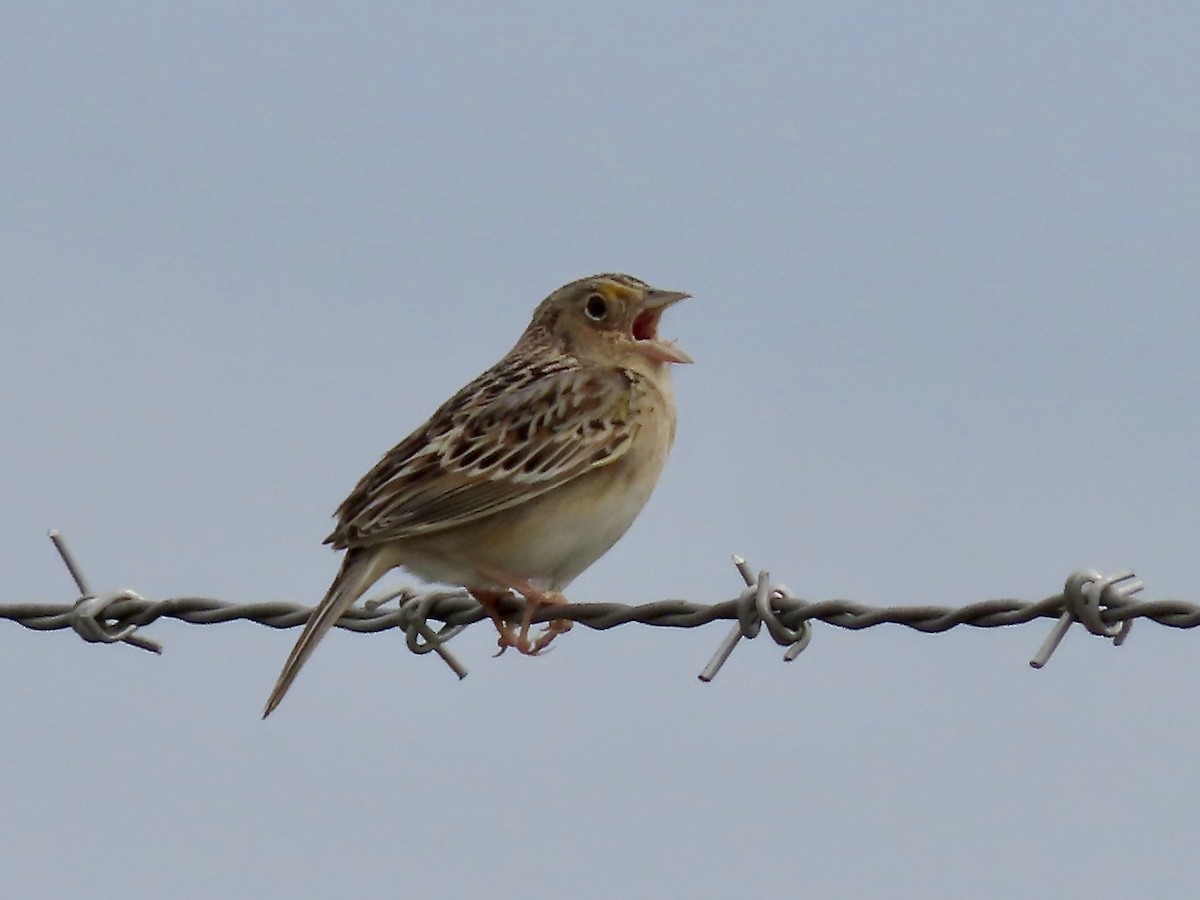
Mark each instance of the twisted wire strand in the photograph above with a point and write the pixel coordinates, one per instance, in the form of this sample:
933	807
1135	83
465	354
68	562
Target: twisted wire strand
1105	605
457	608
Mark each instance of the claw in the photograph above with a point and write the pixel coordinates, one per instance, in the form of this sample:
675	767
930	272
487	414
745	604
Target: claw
552	630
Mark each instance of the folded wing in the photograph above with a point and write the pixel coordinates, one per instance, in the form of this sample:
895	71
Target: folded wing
509	436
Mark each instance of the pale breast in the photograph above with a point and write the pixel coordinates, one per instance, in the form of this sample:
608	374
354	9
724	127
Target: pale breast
552	538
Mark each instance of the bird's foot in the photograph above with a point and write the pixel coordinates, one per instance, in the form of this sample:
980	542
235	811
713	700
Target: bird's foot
532	647
508	636
533	599
518	638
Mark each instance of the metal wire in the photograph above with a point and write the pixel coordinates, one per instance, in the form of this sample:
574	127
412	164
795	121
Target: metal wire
1103	604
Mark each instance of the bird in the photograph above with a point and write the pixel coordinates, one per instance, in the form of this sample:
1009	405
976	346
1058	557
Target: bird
527	475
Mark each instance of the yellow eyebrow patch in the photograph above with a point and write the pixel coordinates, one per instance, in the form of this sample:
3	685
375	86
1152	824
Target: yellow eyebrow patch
614	291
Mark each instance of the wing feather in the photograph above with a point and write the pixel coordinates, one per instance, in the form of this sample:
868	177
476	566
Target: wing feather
514	433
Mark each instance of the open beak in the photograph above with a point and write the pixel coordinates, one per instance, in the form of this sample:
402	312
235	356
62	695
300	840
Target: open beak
645	328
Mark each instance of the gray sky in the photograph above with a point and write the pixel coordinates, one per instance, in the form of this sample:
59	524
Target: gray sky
945	271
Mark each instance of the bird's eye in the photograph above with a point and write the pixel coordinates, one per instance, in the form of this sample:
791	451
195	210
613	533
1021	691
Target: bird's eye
597	307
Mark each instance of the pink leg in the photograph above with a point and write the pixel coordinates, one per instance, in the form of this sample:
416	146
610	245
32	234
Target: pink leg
489	600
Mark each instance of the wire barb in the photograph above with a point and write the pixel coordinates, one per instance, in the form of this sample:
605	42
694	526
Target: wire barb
87	615
756	606
1085	598
416	609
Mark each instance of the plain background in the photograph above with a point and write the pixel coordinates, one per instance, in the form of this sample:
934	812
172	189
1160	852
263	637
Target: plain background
946	262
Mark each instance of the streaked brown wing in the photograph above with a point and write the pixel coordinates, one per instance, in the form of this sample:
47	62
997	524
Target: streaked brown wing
509	436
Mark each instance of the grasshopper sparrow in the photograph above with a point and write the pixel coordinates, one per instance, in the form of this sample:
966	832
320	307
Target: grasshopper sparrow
527	475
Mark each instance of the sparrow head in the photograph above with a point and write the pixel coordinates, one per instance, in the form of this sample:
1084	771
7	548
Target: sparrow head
608	317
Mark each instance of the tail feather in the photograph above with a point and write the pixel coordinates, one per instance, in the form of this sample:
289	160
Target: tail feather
360	569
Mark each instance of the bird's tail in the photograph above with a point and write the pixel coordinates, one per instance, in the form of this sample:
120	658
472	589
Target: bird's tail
360	569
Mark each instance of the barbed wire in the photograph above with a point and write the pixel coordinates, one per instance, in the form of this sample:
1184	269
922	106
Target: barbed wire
1103	604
